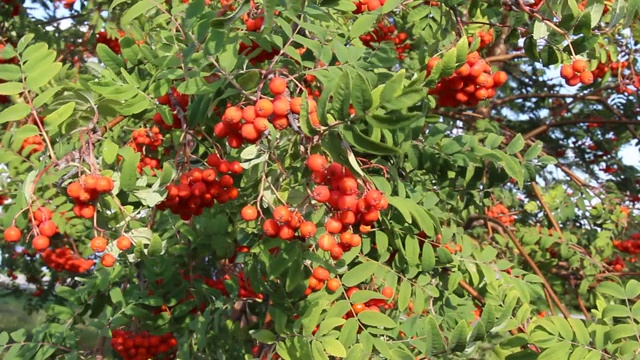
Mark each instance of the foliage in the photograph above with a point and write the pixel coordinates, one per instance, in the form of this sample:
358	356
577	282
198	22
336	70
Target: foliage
322	179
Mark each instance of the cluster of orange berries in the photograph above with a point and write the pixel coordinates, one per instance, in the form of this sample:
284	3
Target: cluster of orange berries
617	263
470	84
370	305
500	212
85	191
368	5
383	33
245	291
144	141
629	246
112	42
64	259
142	346
41	219
33	142
319	277
247	124
176	102
577	72
254	51
200	188
285	223
486	38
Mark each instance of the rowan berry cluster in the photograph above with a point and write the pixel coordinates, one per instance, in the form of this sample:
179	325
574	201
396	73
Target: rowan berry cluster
245	291
142	346
372	304
286	223
247	124
500	212
178	103
64	259
367	5
256	54
86	191
577	72
486	38
34	143
629	246
349	205
200	188
145	141
382	33
470	84
617	264
112	42
319	277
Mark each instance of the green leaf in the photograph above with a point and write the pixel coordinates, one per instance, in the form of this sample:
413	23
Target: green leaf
24	41
540	30
116	296
458	338
515	145
363	24
359	274
41	75
612	289
22	133
533	151
404	295
11	88
52	121
10	72
264	336
580	331
136	10
155	246
109	58
362	296
129	172
14	112
392	120
19	335
623	331
334	347
4	338
392	89
374	318
44	97
354	137
428	257
109	151
361	97
632	289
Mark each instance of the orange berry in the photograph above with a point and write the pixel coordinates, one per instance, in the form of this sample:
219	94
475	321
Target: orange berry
249	213
261	124
74	190
387	292
270	228
41	242
579	65
278	85
98	244
586	77
280	122
326	242
321	274
264	108
333	284
232	114
333	226
307	229
282	214
250	133
108	260
48	228
566	71
104	184
123	243
317	162
281	107
12	234
358	308
249	113
296	105
286	232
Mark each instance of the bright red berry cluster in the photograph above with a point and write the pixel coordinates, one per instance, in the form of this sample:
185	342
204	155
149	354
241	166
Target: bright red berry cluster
200	188
146	141
470	84
630	246
240	124
177	102
286	223
112	42
34	143
349	205
577	72
500	212
486	38
86	191
370	305
368	5
142	346
319	277
65	259
617	264
382	33
245	291
253	22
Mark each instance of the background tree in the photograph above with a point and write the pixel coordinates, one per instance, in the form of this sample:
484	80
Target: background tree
322	179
